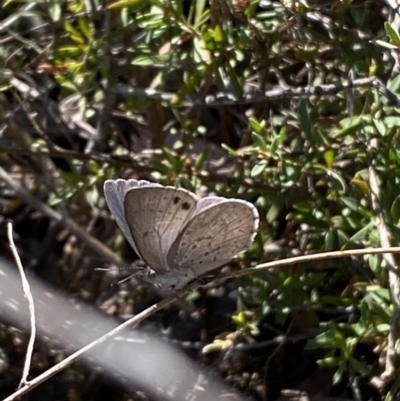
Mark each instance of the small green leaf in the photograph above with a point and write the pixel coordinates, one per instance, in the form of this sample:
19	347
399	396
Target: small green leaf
380	126
259	141
351	203
314	136
150	60
386	45
391	31
239	319
362	234
338	180
230	150
70	51
329	362
259	168
360	183
329	157
383	328
273	212
54	9
394	85
133	4
337	377
219	35
200	160
330	241
288	282
374	261
199	12
94	167
85	27
256	125
74	33
352	127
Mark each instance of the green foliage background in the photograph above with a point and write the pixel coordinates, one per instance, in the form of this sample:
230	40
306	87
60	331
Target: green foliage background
180	92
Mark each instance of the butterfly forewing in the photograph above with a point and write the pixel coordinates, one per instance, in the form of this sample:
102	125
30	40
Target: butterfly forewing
214	236
156	217
114	192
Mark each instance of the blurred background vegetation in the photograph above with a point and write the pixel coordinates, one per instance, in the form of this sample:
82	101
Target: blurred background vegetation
290	105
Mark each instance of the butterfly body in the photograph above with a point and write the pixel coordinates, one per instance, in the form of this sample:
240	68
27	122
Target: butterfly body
179	236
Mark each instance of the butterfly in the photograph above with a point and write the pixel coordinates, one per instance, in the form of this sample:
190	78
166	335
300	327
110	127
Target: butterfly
178	235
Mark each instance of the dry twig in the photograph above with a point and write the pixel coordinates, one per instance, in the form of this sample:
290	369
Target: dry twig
31	303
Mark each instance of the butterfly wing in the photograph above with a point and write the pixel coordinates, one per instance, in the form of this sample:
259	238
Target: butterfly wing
220	229
115	192
155	216
208	201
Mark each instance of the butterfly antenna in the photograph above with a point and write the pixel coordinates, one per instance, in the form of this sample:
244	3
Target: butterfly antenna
109	269
106	269
137	273
123	280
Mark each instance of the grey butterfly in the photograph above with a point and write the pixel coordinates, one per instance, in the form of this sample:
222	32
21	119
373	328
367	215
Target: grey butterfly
178	235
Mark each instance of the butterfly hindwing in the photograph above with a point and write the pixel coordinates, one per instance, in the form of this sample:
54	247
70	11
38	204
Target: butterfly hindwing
216	233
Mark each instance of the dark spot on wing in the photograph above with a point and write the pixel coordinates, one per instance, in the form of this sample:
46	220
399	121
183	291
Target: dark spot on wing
194	246
178	199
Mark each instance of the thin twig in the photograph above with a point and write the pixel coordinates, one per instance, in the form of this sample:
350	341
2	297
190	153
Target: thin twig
31	303
307	258
255	97
384	236
76	355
